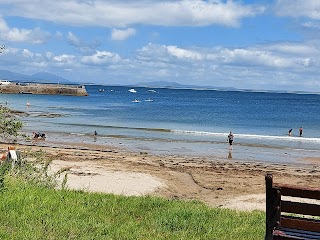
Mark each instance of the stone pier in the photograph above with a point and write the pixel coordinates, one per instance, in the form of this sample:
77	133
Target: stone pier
38	88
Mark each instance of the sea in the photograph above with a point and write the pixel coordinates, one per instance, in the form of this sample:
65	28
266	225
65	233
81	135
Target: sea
187	122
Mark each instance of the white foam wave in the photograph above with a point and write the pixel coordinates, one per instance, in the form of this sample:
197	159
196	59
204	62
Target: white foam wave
78	134
197	132
250	136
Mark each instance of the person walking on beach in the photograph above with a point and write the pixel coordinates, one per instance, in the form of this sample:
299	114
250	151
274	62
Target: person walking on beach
300	131
230	139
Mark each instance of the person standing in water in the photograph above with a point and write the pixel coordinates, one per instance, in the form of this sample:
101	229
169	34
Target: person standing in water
230	139
290	132
300	131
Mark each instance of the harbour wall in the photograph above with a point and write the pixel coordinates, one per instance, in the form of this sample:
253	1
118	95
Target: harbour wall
39	88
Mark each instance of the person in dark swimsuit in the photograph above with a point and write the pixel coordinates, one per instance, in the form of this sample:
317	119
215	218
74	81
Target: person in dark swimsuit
230	139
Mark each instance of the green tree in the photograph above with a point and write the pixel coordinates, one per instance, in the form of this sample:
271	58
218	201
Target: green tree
9	125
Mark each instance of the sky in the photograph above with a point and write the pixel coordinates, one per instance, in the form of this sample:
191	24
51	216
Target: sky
259	45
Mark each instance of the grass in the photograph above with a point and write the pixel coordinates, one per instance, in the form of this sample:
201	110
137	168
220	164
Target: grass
33	210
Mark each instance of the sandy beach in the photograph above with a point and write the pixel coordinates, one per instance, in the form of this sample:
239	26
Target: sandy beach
218	183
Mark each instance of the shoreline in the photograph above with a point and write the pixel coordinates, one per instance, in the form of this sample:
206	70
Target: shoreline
215	182
215	150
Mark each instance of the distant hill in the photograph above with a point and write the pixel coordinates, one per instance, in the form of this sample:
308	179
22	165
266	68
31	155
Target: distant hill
41	77
14	77
165	84
49	77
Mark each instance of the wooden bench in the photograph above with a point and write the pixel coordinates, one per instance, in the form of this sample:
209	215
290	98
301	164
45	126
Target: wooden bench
301	219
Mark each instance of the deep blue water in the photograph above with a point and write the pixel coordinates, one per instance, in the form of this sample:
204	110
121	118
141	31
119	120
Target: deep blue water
182	121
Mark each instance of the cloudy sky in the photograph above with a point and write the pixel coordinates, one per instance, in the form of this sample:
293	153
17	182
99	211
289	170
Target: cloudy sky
249	44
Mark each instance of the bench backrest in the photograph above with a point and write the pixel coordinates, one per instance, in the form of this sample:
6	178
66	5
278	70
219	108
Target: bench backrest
276	206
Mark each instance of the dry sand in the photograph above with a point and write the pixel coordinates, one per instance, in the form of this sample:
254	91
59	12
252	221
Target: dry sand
222	183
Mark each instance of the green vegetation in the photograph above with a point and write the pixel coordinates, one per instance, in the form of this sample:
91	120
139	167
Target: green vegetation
9	125
31	212
31	208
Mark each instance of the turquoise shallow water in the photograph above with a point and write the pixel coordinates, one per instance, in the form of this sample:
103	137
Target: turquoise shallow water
172	121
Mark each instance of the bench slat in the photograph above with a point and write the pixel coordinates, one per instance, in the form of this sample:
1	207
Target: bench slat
278	237
285	233
301	224
300	208
287	190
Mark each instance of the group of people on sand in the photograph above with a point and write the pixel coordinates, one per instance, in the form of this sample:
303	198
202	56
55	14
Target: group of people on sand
300	132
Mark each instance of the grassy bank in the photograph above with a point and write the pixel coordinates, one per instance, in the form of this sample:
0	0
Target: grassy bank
32	208
35	212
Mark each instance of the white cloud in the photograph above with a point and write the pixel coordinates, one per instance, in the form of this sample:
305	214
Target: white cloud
222	56
311	25
120	35
73	39
49	55
33	36
3	25
27	54
122	13
306	62
64	58
298	8
265	66
292	48
251	57
164	53
183	53
84	47
100	58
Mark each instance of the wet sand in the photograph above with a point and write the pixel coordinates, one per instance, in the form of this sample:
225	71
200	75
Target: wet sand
215	182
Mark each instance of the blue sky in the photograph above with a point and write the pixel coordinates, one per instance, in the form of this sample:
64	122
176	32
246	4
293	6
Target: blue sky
272	45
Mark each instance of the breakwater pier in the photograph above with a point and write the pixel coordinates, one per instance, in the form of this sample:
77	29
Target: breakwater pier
40	88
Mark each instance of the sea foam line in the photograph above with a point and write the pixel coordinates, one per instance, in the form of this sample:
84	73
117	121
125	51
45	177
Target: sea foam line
249	136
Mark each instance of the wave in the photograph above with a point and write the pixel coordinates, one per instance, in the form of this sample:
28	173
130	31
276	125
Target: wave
218	140
250	136
219	135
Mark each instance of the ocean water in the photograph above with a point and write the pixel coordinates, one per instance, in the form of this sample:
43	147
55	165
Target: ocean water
180	121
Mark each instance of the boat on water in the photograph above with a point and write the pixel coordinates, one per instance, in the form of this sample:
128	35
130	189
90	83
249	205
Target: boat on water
101	90
148	100
151	90
136	101
132	90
